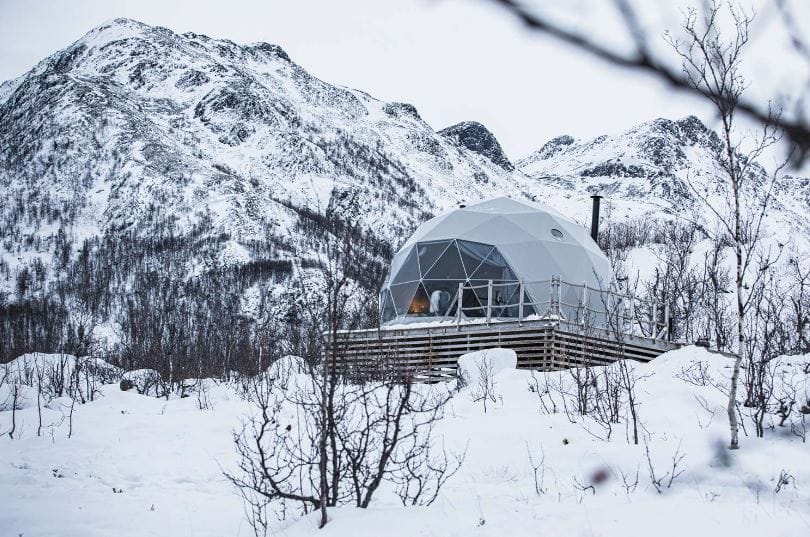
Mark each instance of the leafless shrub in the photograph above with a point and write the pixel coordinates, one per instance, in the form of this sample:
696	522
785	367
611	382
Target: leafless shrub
784	479
540	385
377	431
799	428
484	389
203	397
538	469
697	374
629	483
659	482
597	398
582	487
422	474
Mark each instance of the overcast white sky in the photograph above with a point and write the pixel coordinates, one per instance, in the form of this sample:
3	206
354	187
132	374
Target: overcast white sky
454	60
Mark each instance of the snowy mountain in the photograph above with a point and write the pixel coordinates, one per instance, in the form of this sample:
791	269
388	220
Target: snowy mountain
150	150
655	167
134	125
151	171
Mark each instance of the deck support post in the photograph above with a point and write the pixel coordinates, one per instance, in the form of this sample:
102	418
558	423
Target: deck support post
554	306
665	330
654	321
489	301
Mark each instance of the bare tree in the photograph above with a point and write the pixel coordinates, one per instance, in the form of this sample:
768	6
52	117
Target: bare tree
641	56
40	376
331	436
538	469
715	289
7	378
740	197
800	302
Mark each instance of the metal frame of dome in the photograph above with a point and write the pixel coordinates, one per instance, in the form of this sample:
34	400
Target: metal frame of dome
517	242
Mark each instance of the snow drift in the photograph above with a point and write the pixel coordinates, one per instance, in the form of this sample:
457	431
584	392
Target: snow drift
138	465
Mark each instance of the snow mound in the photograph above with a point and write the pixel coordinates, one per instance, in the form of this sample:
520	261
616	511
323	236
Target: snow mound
475	365
144	381
286	366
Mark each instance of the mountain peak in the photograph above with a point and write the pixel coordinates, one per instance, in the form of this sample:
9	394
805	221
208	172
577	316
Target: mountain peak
149	117
124	22
477	138
689	130
121	27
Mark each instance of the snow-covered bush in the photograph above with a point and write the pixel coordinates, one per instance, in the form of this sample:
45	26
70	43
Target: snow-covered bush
145	382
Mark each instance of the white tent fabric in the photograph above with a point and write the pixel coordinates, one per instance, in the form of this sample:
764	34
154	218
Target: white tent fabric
534	240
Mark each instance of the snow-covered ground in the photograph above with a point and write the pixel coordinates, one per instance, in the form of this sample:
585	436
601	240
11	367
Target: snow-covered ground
142	466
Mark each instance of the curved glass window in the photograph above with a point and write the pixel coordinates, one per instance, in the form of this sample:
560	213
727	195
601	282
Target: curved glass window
409	271
426	285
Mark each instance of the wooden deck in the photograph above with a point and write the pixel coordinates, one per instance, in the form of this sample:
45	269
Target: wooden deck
432	352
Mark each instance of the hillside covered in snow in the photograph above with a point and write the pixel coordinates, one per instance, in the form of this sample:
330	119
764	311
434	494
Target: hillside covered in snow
169	194
138	158
131	464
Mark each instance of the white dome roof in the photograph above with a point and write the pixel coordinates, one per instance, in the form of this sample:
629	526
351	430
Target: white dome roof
535	241
521	231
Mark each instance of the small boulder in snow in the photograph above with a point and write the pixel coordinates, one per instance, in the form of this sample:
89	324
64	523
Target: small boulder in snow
472	366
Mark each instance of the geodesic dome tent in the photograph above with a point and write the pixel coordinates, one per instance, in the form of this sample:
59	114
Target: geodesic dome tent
508	242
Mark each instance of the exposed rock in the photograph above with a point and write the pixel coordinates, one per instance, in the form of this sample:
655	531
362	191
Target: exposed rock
401	110
477	138
554	146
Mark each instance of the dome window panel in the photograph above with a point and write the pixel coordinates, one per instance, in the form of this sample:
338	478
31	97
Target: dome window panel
471	305
387	311
429	252
528	309
479	288
409	271
494	267
506	294
448	266
420	303
473	254
402	295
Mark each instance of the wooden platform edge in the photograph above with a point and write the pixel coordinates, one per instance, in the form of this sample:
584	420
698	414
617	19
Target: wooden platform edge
432	353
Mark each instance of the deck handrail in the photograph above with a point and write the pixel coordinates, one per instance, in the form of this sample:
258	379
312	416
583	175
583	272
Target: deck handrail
619	312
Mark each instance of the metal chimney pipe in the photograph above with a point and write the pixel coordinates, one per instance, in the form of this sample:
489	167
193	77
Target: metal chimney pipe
595	217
